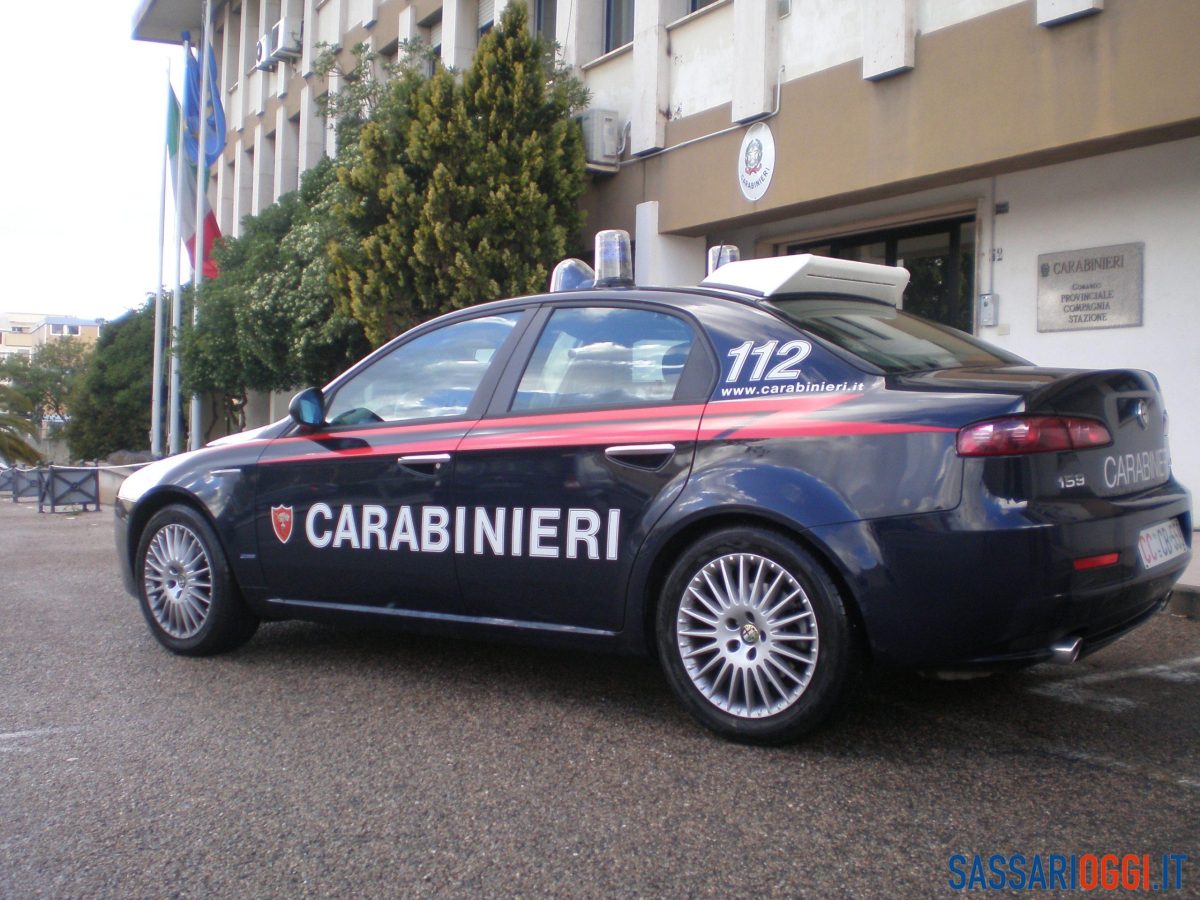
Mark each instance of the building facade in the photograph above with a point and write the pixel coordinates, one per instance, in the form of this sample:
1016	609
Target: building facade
1034	163
22	333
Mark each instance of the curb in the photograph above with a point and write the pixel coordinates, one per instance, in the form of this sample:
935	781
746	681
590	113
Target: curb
1185	601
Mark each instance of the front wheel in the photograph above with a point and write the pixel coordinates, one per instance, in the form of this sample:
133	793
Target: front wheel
187	593
754	636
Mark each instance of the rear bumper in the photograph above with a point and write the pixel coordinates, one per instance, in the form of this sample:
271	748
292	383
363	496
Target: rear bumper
990	587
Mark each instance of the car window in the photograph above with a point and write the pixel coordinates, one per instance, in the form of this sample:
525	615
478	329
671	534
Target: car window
889	338
605	356
434	375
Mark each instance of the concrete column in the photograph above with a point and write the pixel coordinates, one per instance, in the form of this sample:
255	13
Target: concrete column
307	37
311	139
247	38
756	55
889	37
243	191
262	178
409	29
226	192
460	32
664	259
287	153
651	73
580	31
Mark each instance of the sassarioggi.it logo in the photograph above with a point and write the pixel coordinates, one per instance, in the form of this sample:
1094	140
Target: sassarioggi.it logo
1067	872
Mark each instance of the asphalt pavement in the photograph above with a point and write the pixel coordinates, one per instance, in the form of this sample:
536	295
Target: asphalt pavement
318	762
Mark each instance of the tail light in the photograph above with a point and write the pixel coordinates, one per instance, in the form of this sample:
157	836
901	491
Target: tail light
1015	435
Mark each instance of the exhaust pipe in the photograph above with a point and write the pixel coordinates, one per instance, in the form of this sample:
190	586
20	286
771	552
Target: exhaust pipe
1066	651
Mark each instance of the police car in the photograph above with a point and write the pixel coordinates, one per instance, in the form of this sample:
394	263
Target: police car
765	480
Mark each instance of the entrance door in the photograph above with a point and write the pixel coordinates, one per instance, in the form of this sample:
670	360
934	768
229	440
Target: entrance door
940	256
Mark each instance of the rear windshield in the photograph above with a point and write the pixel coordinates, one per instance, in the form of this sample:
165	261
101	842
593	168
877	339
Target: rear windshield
888	338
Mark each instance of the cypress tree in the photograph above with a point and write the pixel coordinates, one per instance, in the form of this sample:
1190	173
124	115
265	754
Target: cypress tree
465	191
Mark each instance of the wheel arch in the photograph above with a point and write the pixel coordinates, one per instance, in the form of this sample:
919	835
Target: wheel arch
151	504
658	566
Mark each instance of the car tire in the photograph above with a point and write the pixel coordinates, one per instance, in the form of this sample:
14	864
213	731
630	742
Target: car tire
754	636
187	593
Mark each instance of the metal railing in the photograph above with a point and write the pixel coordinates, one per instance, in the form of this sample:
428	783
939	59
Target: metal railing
69	486
53	486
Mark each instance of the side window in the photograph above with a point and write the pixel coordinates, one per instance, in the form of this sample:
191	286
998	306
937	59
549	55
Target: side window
605	356
434	375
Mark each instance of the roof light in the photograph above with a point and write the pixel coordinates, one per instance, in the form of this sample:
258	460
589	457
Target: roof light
1016	435
571	274
720	255
614	262
807	274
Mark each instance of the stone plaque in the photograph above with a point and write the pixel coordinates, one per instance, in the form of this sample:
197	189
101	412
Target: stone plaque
1096	288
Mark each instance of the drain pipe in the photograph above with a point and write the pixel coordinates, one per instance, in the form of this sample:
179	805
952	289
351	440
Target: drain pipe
704	137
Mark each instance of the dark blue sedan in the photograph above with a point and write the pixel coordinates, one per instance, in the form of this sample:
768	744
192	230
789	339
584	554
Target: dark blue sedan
766	480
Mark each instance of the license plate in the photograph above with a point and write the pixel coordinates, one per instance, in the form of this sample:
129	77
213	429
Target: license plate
1160	543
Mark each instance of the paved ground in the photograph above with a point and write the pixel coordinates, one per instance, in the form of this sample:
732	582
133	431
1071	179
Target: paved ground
320	762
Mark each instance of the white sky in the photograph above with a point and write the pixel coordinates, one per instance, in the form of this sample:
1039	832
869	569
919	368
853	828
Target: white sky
81	150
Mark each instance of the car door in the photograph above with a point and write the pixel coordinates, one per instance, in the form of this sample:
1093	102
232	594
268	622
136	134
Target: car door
589	438
358	512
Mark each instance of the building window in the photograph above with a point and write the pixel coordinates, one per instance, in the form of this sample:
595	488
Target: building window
487	16
939	255
618	23
65	329
694	5
544	18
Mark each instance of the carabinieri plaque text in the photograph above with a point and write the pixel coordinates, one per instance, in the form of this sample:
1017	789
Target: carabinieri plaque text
1096	288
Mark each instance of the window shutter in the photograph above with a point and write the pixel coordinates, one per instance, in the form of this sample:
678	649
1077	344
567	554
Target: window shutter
487	10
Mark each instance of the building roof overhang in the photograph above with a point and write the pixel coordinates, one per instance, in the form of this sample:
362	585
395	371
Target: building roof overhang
164	21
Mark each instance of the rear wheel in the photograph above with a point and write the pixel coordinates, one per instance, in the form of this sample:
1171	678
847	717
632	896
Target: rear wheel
754	636
188	595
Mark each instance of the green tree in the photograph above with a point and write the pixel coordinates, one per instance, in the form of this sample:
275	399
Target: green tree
110	402
268	322
461	193
15	427
46	379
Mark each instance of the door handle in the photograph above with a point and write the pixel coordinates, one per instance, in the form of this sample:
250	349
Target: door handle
424	463
643	456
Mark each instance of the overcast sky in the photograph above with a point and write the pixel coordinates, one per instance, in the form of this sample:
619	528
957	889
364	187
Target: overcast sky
82	158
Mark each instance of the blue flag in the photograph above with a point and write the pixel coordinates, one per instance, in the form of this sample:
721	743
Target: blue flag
214	127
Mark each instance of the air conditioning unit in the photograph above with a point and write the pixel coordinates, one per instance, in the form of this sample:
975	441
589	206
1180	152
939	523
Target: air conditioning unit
262	53
601	139
285	39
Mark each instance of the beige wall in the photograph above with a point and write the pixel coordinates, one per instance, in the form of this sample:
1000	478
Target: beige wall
990	95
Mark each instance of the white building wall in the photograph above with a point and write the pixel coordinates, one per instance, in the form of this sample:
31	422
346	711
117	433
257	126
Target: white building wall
611	83
935	14
1149	195
702	62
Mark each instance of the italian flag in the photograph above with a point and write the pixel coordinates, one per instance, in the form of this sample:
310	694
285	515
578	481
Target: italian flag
185	198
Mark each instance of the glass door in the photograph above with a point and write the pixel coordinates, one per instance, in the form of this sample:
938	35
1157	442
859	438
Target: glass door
940	256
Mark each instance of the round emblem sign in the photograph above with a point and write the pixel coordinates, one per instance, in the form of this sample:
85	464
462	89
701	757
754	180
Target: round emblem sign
756	162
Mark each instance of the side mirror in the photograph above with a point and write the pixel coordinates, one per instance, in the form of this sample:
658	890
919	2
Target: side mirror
307	408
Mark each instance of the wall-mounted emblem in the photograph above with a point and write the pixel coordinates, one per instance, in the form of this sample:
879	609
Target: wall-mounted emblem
756	161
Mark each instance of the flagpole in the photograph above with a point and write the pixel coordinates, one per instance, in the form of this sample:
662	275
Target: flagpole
201	195
156	430
174	418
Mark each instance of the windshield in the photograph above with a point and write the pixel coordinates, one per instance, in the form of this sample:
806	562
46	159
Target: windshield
888	338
